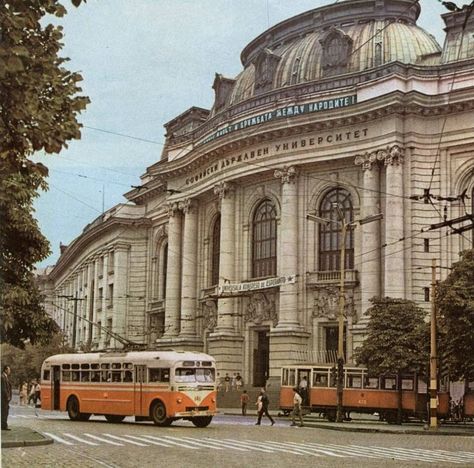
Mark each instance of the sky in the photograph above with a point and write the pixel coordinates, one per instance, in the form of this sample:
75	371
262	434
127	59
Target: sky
144	62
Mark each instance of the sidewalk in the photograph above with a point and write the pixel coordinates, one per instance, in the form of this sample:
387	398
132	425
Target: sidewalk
367	424
20	436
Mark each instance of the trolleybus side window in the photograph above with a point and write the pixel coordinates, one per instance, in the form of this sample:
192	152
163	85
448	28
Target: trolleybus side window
46	374
158	375
75	374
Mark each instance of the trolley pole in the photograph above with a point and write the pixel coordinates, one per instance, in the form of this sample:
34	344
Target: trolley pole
340	340
433	352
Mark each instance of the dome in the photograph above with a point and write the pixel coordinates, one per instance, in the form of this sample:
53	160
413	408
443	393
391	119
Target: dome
346	37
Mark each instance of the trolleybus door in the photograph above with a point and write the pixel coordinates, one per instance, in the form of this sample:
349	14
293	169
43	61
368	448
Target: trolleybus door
140	379
56	390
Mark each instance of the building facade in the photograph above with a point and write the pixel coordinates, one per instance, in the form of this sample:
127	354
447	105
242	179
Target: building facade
343	112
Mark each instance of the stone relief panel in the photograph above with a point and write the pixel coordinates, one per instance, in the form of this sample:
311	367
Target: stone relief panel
326	303
209	315
261	307
337	47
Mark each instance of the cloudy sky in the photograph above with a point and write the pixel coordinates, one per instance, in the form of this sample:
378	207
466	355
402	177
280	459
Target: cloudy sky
144	62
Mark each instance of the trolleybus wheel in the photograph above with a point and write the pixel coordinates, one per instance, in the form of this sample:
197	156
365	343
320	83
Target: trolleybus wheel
158	414
72	407
114	418
202	421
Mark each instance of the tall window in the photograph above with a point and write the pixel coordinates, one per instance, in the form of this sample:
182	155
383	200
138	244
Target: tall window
264	240
164	271
216	250
330	234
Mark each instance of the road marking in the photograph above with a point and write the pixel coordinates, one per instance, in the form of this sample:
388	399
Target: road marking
160	439
58	439
298	449
199	444
317	449
72	436
122	439
263	444
232	445
111	442
344	449
149	441
213	444
248	445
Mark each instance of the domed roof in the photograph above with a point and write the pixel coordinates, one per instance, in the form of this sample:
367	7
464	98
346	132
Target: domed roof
346	37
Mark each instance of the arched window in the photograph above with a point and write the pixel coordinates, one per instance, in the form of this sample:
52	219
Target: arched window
264	240
215	250
330	234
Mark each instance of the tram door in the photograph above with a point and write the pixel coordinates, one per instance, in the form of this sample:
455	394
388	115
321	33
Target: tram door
261	358
140	379
304	382
56	393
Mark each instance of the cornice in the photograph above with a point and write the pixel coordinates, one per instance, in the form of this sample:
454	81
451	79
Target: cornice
81	242
395	103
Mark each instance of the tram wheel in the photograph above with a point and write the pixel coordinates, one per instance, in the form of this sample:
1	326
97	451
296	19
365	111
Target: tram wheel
114	418
158	414
202	421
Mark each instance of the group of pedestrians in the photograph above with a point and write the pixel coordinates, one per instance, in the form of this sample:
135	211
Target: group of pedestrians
30	393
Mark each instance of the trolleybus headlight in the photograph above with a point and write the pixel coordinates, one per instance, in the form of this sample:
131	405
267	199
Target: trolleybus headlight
179	400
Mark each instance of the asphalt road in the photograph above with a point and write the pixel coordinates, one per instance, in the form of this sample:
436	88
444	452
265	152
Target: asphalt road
229	441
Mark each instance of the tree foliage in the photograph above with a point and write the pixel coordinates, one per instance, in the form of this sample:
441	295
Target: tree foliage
398	338
455	304
26	363
39	103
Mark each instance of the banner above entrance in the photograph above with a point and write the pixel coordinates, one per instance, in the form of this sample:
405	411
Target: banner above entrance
255	285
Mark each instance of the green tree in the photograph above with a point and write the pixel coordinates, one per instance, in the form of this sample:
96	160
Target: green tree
39	104
455	305
397	340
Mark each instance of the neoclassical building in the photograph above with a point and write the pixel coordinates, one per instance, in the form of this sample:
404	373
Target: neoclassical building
343	112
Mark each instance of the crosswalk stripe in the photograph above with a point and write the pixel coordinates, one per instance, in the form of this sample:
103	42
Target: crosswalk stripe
248	445
72	436
111	442
469	456
149	441
160	439
230	443
344	449
419	455
299	448
58	439
123	439
219	444
317	449
278	449
386	452
199	444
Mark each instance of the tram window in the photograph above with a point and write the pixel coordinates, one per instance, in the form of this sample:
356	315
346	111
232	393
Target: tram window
354	381
85	377
85	366
127	376
285	377
105	376
292	377
94	366
66	366
389	383
66	376
205	375
116	376
46	374
371	382
320	379
75	376
104	365
158	375
95	376
116	365
407	384
75	366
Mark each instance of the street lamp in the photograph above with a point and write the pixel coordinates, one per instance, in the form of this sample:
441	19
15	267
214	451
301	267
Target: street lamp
345	227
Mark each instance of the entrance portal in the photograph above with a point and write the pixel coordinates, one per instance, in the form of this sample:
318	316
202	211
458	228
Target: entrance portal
261	358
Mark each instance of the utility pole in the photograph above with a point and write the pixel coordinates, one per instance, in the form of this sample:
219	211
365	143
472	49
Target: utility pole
433	354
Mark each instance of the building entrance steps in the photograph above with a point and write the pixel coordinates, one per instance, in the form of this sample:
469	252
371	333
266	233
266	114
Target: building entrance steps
231	399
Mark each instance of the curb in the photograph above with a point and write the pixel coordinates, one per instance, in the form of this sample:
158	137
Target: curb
25	443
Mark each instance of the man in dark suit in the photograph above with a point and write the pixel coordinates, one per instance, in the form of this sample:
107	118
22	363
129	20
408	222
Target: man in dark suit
263	410
6	396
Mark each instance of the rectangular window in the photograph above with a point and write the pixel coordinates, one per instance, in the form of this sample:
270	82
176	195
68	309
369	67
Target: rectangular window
111	262
407	383
111	295
66	376
426	245
354	381
320	379
426	292
389	383
46	374
158	375
371	382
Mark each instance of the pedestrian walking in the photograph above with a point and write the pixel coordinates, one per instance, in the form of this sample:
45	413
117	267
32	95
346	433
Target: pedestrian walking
303	390
37	393
6	396
23	394
264	408
31	394
297	410
244	399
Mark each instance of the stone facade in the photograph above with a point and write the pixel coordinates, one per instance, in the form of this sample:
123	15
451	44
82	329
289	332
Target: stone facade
217	253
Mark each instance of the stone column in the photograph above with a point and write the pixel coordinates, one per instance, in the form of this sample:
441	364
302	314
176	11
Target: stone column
120	300
188	292
394	274
288	261
225	307
370	232
173	273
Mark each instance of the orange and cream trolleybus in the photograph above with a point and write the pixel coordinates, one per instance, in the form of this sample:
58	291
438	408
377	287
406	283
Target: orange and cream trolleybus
161	386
